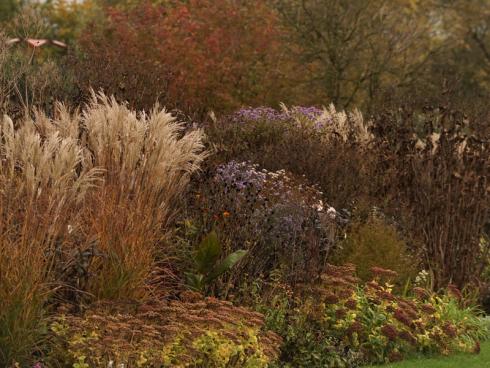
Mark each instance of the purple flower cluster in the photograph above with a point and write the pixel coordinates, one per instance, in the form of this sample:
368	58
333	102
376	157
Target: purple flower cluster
313	114
279	216
309	112
262	113
277	185
247	114
240	175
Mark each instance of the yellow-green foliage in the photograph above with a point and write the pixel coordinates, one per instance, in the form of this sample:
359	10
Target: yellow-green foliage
192	333
376	243
370	318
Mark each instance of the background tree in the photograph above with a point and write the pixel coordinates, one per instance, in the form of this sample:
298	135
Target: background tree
456	75
467	25
194	55
351	49
68	19
8	8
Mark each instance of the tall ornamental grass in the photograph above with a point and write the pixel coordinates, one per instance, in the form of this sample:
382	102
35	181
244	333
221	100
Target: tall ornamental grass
84	201
40	195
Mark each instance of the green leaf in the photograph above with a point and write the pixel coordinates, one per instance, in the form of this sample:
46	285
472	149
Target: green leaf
195	281
226	264
208	253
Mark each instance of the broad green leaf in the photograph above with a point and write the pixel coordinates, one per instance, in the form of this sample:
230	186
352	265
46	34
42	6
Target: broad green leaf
226	264
208	253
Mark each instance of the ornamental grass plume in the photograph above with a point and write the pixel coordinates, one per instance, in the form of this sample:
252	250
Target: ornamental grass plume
148	159
43	184
84	201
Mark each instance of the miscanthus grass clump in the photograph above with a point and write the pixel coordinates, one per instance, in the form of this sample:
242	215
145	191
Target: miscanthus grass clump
85	197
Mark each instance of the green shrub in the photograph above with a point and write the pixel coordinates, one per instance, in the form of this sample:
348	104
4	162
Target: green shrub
376	243
207	264
306	341
386	327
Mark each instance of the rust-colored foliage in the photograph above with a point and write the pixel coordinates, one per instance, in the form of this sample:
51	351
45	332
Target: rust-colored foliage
164	333
194	56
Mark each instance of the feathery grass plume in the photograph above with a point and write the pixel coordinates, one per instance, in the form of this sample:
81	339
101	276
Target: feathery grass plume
148	159
83	196
345	125
40	194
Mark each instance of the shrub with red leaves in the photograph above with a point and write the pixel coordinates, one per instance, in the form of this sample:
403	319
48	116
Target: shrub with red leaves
193	55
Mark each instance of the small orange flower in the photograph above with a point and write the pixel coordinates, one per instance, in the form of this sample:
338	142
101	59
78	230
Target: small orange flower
226	214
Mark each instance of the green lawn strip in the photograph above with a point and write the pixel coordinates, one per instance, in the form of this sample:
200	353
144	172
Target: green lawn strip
481	360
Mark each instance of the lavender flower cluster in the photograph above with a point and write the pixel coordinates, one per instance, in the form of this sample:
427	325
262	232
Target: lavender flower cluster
277	184
285	214
240	175
310	113
248	114
245	175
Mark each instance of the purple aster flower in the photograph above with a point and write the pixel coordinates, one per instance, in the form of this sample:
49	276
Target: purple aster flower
268	114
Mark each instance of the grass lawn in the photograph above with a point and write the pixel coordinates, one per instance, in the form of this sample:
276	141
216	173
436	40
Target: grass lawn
481	360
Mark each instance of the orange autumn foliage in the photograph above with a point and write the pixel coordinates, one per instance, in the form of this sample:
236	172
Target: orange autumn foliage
198	55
